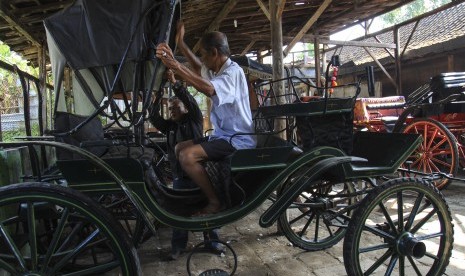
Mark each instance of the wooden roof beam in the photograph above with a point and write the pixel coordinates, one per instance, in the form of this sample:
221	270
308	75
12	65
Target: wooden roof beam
265	37
358	43
264	9
381	67
216	22
281	8
42	8
307	26
248	47
16	24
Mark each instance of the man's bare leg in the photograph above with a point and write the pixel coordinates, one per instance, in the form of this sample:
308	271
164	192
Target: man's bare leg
190	159
182	145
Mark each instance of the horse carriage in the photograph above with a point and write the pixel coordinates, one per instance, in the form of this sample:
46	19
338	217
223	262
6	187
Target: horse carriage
435	110
84	211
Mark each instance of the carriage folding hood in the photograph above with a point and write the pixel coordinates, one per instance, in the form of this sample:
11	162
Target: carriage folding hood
92	37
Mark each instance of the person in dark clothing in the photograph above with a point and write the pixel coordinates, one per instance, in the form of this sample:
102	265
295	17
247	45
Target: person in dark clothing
185	123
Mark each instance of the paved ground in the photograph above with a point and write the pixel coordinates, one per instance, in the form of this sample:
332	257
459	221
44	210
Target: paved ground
263	252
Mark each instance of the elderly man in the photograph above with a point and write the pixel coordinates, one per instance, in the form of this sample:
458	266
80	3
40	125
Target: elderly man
221	79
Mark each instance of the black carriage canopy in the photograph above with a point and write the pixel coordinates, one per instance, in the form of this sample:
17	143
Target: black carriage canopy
93	37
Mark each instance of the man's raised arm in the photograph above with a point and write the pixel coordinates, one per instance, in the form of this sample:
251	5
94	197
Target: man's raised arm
193	60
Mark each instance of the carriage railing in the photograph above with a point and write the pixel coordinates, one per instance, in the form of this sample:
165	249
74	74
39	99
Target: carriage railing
307	120
439	88
446	94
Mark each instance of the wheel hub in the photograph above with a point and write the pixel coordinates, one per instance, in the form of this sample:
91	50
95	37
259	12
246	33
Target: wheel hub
425	155
320	204
408	245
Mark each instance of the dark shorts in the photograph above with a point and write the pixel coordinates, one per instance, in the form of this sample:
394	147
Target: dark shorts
216	149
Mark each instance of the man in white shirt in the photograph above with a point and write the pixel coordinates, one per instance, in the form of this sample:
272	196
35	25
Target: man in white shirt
221	79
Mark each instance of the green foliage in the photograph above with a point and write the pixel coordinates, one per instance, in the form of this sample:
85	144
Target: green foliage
200	98
10	89
12	58
411	10
8	136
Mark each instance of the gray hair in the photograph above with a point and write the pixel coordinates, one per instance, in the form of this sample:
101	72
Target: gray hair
216	40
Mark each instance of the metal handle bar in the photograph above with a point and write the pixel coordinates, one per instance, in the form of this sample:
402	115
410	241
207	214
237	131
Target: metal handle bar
432	176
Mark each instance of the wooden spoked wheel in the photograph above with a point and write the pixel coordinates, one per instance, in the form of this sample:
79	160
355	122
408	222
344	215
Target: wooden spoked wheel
437	153
403	227
47	229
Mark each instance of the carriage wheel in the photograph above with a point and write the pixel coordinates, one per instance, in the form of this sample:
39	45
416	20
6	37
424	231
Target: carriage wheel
437	153
461	148
48	230
122	210
403	228
314	221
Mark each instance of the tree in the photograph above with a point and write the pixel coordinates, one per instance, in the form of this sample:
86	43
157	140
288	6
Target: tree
411	10
12	58
10	90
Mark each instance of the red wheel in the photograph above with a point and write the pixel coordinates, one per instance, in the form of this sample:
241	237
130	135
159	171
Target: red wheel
437	153
460	138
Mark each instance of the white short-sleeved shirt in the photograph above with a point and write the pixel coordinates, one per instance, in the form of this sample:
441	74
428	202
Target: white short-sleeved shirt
230	113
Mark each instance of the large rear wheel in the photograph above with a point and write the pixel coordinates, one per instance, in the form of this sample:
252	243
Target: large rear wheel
437	153
48	230
402	227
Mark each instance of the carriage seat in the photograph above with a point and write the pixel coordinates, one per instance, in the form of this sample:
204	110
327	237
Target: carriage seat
92	137
271	153
385	152
368	109
91	131
446	84
133	164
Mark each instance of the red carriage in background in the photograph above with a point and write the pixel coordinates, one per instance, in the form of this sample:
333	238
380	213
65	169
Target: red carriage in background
435	110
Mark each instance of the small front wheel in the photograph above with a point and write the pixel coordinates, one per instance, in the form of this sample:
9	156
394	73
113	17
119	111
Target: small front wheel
52	230
317	218
402	227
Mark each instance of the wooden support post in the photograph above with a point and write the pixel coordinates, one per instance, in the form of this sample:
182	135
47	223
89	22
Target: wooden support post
278	59
207	123
316	48
66	92
323	60
450	63
259	56
398	60
277	45
43	83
